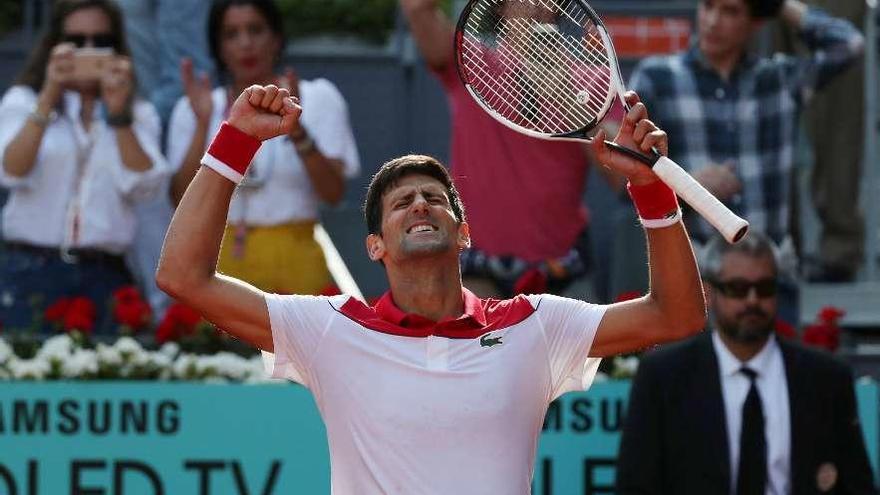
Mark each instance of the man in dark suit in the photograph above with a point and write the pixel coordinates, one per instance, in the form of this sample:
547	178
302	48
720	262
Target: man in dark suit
738	410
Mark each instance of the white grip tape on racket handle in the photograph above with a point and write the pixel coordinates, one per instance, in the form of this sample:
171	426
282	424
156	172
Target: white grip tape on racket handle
731	226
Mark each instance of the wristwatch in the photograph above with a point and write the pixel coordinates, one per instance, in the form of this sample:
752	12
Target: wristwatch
122	119
304	144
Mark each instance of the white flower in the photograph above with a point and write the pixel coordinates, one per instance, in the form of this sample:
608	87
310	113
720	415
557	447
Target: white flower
160	360
627	365
184	367
127	345
624	367
83	362
109	356
57	348
170	349
5	351
33	369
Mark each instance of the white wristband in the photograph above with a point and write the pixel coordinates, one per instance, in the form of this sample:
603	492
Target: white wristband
659	223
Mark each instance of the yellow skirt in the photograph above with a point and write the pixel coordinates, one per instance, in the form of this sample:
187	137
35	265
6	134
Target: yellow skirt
284	259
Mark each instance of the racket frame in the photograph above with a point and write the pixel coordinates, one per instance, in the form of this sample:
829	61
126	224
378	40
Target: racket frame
732	227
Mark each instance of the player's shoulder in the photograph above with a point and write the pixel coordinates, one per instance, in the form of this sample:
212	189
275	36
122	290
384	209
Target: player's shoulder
312	303
550	302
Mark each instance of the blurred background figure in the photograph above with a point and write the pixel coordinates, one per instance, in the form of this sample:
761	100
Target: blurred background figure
836	142
733	116
530	232
269	239
738	409
160	35
78	150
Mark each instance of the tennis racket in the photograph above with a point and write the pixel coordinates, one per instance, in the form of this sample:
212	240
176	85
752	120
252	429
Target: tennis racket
547	69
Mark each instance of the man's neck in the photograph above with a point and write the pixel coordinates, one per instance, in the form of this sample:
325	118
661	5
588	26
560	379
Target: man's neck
427	288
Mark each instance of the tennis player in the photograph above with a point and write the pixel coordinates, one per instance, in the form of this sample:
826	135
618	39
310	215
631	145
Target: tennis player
432	390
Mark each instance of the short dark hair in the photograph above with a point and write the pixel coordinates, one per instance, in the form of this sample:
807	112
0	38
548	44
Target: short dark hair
391	172
34	73
755	244
764	9
267	8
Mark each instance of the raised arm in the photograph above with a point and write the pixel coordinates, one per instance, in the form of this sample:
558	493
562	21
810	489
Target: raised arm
834	45
197	89
674	307
431	29
188	265
21	152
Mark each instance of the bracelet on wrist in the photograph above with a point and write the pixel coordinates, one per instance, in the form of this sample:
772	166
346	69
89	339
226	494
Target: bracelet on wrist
40	118
303	143
655	203
122	119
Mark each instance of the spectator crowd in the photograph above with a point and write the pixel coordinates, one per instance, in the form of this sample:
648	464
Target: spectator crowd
108	122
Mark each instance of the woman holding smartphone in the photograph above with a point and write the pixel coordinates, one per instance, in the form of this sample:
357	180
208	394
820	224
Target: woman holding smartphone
78	149
269	239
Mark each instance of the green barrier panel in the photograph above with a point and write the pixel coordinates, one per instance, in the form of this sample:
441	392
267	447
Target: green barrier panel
168	438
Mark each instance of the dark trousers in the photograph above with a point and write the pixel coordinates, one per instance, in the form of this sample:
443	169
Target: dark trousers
31	279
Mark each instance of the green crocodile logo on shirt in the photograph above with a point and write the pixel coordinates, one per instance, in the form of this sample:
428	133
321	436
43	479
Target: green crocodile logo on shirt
488	341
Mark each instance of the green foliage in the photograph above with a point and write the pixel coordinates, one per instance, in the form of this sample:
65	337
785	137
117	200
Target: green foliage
370	20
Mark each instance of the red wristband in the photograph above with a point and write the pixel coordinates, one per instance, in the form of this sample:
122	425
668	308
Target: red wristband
653	201
231	152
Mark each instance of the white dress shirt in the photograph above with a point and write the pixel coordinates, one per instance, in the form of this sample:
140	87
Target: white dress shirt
77	170
773	390
285	193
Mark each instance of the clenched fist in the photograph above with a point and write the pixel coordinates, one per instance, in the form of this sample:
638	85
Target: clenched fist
265	112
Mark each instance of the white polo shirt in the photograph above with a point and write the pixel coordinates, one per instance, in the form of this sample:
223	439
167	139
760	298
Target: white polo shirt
417	407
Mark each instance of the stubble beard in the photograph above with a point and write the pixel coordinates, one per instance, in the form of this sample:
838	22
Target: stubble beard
738	330
417	249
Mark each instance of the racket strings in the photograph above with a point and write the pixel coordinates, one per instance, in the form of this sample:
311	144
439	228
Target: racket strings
507	97
559	85
510	97
504	97
534	73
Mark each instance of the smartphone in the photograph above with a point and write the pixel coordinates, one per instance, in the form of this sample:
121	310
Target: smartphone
90	63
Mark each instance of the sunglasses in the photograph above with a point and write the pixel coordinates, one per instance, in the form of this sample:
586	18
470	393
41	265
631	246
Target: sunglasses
738	288
98	40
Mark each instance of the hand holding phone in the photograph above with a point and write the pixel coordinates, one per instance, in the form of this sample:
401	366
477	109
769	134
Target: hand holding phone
90	64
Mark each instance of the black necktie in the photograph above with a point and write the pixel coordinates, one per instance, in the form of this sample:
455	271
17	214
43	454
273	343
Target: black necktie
752	475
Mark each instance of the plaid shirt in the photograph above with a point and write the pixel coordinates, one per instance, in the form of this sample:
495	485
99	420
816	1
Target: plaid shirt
750	120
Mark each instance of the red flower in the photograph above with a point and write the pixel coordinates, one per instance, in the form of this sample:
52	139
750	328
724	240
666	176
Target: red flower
785	330
180	320
80	315
130	308
55	312
825	333
830	314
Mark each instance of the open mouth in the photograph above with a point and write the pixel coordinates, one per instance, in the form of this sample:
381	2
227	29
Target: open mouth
422	227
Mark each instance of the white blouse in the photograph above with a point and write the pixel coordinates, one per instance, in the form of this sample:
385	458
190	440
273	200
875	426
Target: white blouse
277	188
77	174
